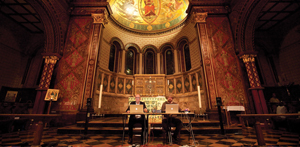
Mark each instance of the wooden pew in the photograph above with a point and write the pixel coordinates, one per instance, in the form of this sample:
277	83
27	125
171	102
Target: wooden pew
40	119
258	118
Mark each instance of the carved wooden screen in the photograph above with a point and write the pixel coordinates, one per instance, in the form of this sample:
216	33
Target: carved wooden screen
150	84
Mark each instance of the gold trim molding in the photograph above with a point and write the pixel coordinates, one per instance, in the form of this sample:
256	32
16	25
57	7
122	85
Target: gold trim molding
51	59
199	17
248	58
100	18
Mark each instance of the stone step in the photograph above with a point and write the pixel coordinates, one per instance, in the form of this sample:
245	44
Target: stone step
114	125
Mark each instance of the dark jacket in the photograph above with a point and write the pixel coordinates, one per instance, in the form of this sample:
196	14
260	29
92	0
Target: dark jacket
133	103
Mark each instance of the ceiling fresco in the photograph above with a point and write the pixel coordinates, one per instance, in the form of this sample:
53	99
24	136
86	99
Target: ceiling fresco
149	15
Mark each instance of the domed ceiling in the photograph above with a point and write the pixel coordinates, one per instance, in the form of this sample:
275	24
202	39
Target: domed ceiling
149	16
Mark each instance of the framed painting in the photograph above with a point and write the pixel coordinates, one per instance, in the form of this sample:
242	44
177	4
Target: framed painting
11	96
52	94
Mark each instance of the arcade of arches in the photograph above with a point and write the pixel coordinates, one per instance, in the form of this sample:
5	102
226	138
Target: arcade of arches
109	51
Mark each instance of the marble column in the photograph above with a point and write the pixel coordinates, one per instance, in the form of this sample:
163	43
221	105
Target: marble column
123	62
255	85
158	62
141	64
50	61
176	61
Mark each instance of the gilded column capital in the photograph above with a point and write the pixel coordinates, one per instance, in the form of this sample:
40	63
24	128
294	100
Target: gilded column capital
248	58
199	17
100	18
51	59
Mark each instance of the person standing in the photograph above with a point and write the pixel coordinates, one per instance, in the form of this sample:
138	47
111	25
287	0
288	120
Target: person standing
136	118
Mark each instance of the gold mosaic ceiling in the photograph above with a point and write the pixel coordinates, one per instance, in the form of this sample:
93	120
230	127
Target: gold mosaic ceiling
149	15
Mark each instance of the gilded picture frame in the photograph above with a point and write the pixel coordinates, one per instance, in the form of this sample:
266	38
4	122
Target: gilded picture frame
11	96
52	95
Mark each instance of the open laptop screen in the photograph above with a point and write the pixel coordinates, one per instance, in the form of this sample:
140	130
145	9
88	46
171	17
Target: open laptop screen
136	109
172	108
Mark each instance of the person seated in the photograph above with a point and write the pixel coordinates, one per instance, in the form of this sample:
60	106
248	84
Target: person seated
177	122
280	120
274	101
136	118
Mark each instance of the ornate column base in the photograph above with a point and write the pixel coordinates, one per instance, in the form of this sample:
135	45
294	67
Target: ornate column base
39	103
259	101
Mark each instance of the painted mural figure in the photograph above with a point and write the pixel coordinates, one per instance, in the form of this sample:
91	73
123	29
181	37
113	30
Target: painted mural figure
224	55
229	80
149	8
170	7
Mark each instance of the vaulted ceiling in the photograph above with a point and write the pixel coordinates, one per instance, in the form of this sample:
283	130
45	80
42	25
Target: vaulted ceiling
272	14
23	14
275	12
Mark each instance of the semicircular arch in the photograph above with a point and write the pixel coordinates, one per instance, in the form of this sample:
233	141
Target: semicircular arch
149	47
246	25
115	39
166	46
133	45
181	40
55	25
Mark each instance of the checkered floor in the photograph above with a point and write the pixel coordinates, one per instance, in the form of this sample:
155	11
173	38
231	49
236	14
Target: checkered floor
245	138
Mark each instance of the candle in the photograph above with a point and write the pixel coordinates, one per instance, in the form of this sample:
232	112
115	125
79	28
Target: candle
100	96
199	97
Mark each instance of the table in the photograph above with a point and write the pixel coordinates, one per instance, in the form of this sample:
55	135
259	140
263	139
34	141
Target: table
42	118
229	109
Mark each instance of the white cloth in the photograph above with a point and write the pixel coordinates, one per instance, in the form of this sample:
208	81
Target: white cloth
281	110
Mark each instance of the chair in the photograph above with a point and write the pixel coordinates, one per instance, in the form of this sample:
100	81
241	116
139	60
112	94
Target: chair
168	135
137	130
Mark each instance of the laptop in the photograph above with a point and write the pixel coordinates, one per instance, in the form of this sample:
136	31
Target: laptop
136	109
172	108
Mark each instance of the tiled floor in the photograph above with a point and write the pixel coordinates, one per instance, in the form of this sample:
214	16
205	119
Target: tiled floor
245	138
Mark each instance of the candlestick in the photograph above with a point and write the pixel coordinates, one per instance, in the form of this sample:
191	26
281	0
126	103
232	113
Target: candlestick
199	97
100	96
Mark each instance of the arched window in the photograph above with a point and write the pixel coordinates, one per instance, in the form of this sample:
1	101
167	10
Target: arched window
130	65
149	62
185	59
113	56
169	62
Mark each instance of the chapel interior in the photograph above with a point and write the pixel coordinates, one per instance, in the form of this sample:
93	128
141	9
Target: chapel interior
89	58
